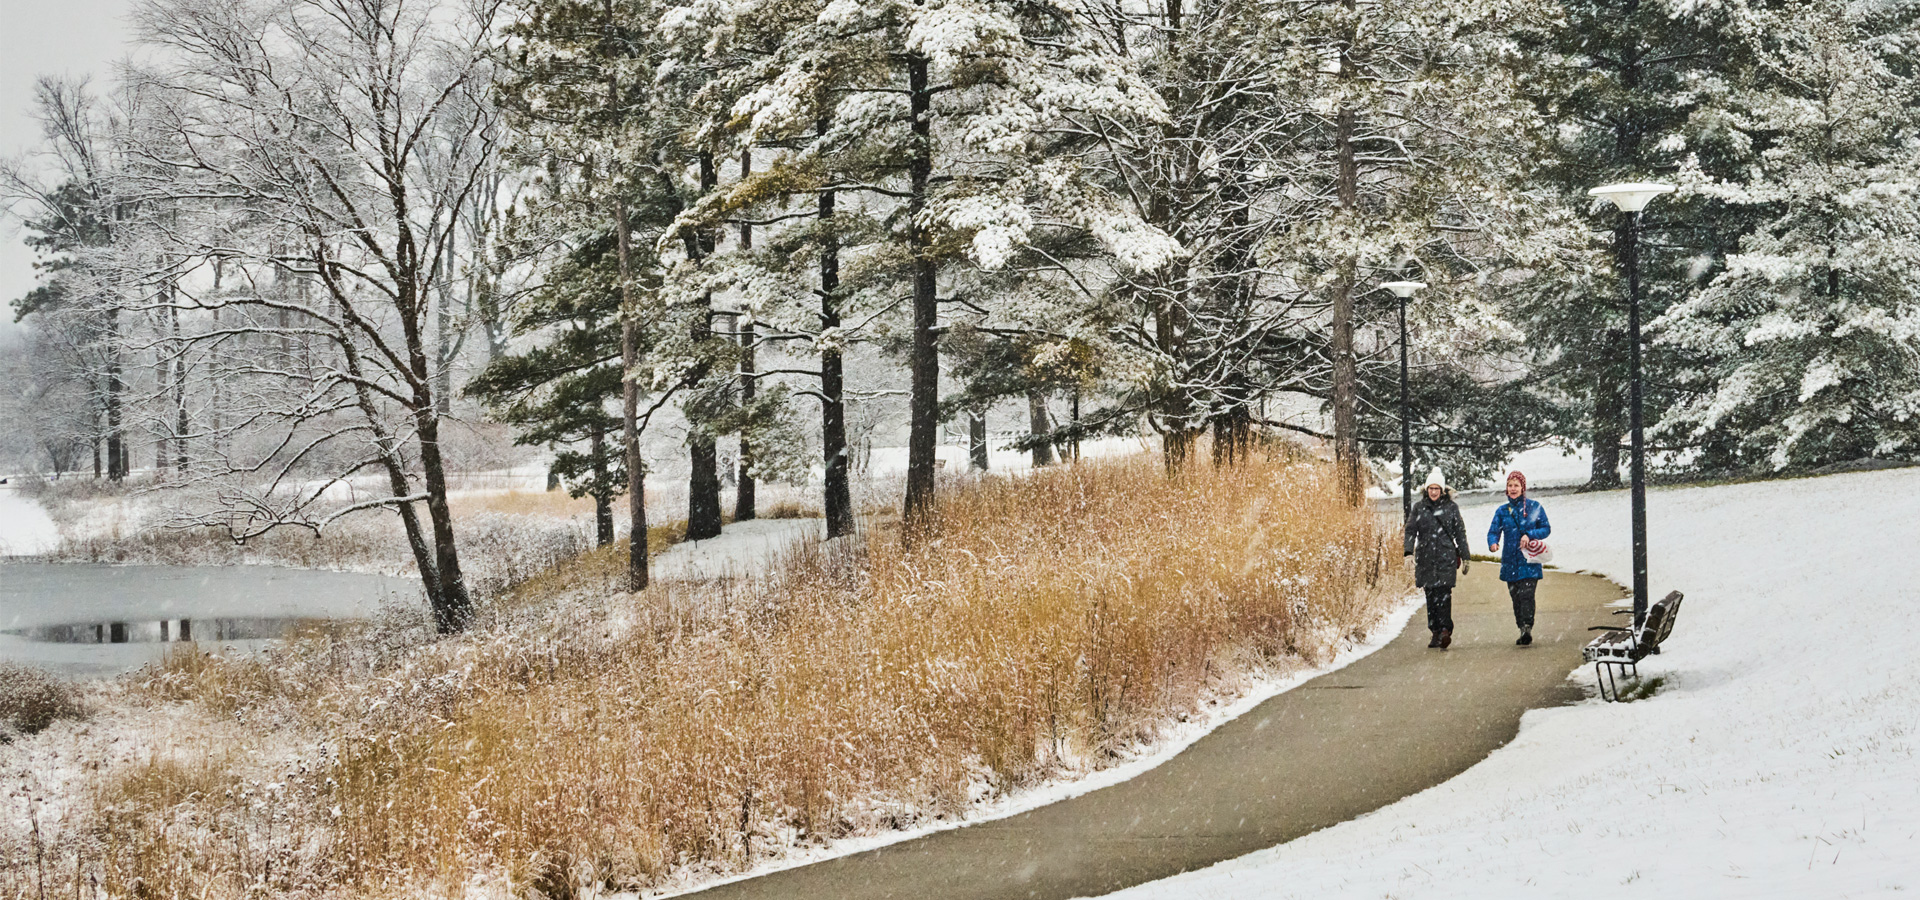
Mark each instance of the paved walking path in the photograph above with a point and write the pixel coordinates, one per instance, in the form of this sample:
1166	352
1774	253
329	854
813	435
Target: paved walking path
1392	724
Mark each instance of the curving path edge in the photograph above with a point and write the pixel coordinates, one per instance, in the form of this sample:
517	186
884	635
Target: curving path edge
1397	722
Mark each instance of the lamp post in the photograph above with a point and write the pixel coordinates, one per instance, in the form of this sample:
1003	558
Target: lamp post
1631	198
1404	290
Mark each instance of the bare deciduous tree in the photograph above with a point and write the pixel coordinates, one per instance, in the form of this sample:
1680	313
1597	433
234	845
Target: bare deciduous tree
324	151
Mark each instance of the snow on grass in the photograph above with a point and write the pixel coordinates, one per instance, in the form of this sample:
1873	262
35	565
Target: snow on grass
742	549
1777	758
25	528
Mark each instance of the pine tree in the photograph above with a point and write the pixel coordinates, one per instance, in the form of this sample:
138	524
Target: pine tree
935	119
1029	364
1813	329
77	226
1629	89
598	104
1311	150
566	388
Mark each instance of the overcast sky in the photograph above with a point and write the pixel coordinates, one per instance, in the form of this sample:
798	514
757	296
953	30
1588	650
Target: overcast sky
42	37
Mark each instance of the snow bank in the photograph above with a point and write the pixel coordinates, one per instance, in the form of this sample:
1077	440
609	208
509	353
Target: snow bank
1777	760
1549	466
25	528
743	548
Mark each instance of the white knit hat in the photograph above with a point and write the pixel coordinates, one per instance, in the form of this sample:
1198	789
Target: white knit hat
1434	477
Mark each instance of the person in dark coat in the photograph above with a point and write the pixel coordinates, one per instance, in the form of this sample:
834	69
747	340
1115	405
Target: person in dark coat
1437	541
1516	523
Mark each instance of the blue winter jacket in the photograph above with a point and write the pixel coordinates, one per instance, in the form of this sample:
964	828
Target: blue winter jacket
1511	520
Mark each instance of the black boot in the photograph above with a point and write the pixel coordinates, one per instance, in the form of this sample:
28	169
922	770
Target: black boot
1435	642
1446	638
1526	637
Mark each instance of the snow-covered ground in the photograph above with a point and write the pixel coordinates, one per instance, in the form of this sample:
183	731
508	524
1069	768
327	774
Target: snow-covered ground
743	548
1778	760
1549	466
25	529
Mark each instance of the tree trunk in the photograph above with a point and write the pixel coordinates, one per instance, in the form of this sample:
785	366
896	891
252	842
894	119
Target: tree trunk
216	372
1346	439
1232	301
116	449
637	574
743	500
181	422
703	456
1074	410
452	605
977	438
483	284
388	446
1609	428
1039	423
423	555
630	405
924	401
602	498
1232	434
453	608
443	351
1170	324
703	487
838	499
163	391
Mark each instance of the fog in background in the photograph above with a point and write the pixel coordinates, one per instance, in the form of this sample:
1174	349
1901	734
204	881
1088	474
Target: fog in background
45	37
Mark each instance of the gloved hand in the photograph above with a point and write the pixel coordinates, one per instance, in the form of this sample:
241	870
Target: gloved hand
1463	565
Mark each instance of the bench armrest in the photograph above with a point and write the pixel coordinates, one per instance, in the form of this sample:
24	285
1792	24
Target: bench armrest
1608	628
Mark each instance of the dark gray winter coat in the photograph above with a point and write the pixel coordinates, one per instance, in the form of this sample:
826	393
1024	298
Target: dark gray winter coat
1437	540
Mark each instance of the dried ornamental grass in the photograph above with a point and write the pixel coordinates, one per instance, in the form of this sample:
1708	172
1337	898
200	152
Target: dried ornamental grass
578	735
31	700
1051	622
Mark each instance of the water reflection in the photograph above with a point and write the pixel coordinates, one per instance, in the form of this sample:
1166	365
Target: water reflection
248	628
86	621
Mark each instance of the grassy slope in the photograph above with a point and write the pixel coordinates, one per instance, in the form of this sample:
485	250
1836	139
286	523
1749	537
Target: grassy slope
581	734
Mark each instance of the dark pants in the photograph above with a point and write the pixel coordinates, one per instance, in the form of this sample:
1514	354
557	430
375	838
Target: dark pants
1439	608
1521	593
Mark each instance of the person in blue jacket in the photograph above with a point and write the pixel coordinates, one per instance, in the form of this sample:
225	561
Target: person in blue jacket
1516	522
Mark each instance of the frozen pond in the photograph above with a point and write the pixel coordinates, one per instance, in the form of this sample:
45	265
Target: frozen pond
92	620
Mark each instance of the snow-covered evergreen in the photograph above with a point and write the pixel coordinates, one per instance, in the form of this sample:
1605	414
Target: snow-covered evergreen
1813	330
1629	89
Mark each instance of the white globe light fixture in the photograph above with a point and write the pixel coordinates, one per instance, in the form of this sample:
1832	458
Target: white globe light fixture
1404	290
1632	197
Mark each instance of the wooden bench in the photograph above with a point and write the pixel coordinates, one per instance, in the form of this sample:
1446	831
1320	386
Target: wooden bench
1620	650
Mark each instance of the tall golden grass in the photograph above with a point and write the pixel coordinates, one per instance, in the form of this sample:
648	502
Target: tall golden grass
1046	624
1053	620
558	504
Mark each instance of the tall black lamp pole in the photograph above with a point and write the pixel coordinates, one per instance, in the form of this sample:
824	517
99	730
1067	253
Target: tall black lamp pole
1404	290
1631	199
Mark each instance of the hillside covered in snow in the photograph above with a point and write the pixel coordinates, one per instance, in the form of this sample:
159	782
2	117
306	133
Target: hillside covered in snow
1777	757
